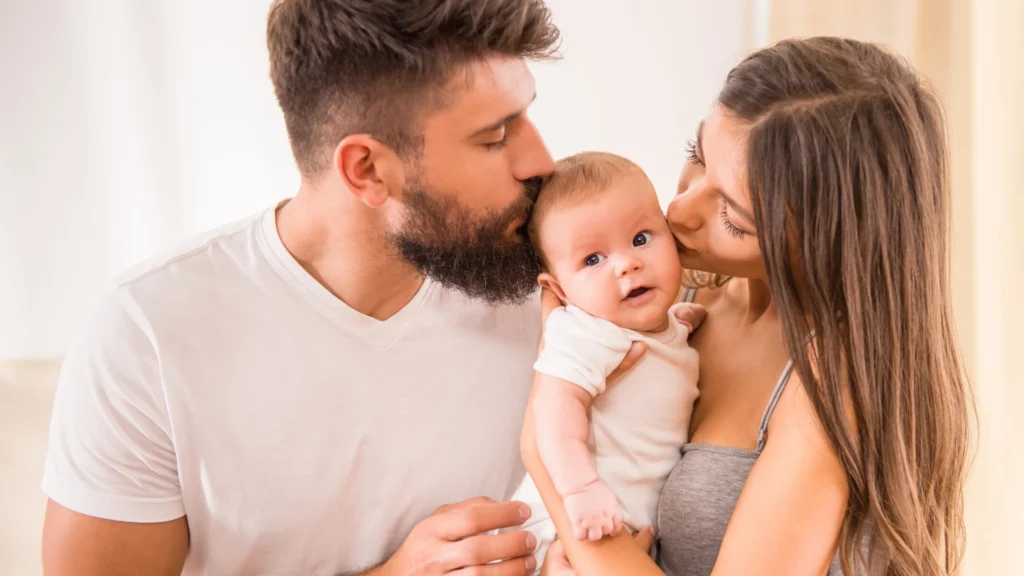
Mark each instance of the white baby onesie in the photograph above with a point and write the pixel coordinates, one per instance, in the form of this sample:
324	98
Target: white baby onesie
638	424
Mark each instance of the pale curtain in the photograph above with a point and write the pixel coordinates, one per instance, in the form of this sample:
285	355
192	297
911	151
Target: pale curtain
973	53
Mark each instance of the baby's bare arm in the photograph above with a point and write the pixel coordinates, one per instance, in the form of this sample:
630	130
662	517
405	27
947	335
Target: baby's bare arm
562	431
560	411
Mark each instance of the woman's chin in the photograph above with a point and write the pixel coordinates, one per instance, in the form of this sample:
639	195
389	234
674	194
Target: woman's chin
691	260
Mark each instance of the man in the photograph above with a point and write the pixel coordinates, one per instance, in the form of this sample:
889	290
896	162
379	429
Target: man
339	382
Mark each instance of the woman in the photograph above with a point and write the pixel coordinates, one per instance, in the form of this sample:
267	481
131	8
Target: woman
831	434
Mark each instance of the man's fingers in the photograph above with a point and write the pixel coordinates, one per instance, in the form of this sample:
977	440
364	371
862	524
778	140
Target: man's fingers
462	522
464	504
515	567
635	352
485	548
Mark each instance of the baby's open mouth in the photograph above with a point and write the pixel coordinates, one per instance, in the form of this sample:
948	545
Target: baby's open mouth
637	292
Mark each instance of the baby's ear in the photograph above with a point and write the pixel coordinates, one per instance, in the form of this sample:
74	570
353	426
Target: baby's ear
547	281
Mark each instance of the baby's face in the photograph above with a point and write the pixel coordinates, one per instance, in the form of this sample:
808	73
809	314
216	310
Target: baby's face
614	257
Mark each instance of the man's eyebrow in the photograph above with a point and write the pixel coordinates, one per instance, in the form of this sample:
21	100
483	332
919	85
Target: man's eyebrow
503	121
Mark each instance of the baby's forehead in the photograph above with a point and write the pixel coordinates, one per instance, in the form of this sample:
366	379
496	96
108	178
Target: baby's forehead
614	210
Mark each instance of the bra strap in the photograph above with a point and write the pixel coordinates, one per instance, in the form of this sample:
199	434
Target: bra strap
772	402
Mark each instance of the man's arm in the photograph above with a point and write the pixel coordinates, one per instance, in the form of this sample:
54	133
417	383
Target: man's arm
111	469
78	545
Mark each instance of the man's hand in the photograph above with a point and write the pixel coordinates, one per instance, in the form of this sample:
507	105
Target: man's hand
454	540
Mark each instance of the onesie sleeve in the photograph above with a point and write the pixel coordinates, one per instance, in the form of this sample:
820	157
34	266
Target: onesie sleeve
581	349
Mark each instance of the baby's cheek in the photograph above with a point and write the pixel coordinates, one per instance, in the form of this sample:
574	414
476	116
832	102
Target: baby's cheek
593	296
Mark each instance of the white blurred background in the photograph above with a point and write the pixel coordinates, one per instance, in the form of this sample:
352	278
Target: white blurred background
128	125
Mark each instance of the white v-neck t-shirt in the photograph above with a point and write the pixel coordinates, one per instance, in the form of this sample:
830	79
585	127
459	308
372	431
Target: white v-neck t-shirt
223	383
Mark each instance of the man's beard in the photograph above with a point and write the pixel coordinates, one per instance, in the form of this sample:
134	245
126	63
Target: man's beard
471	254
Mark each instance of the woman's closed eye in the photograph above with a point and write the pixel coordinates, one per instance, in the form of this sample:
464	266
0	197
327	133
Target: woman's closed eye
727	223
691	153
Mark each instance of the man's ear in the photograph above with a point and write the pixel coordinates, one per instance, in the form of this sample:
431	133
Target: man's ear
368	168
546	280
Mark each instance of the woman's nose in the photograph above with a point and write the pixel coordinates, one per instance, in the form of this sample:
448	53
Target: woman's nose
682	213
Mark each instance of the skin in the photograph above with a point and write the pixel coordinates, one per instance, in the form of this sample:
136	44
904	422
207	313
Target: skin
599	253
616	241
483	145
788	517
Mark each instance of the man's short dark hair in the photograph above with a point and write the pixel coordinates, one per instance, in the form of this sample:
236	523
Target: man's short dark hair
342	67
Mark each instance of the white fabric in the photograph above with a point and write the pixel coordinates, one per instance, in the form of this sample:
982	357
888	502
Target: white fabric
297	435
638	424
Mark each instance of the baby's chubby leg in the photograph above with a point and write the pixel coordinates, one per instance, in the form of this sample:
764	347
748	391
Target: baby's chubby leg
689	314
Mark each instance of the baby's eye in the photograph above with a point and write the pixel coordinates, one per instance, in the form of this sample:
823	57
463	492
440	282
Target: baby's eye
642	238
593	259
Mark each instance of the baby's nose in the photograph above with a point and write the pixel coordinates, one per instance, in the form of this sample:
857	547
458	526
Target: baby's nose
628	265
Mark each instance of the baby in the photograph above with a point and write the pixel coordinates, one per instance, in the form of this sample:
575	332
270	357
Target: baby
608	254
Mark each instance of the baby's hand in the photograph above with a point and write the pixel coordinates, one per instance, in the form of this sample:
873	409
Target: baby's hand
689	314
594	511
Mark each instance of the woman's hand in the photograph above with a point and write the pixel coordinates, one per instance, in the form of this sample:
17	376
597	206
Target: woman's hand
556	563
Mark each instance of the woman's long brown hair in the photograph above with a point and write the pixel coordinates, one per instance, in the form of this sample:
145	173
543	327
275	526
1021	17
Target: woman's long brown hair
848	176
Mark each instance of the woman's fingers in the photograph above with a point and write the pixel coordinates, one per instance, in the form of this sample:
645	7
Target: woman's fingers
556	563
644	538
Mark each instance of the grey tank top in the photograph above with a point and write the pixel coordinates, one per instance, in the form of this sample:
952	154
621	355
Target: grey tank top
700	495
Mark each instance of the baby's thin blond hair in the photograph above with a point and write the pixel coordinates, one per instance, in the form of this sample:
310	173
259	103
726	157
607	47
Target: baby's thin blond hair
575	179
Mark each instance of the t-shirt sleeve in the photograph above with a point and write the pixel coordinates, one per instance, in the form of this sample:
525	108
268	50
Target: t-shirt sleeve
111	453
581	349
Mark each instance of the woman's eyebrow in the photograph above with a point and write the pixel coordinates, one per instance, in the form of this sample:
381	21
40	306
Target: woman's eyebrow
737	207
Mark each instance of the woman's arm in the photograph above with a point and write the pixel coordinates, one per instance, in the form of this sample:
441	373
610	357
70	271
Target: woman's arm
790	512
611	556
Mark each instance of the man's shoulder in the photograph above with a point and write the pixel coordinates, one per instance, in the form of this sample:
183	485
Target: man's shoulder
178	285
197	251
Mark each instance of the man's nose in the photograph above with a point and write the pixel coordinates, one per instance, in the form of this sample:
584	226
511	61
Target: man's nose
534	160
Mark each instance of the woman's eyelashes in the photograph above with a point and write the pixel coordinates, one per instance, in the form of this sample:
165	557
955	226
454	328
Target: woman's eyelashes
731	228
693	152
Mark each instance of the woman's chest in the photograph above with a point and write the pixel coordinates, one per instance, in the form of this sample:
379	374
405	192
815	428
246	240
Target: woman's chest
739	367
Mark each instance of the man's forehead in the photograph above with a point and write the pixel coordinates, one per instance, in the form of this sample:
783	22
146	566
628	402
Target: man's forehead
487	91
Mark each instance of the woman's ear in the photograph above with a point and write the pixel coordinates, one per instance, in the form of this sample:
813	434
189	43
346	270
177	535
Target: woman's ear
365	167
546	280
